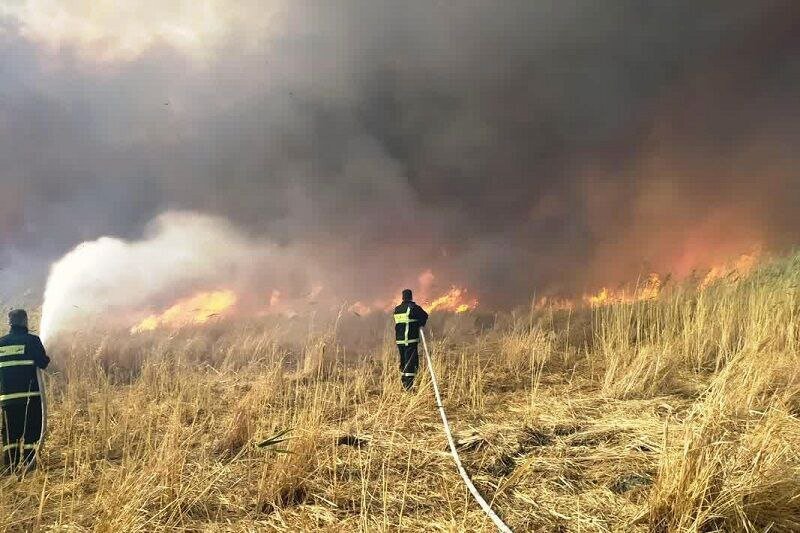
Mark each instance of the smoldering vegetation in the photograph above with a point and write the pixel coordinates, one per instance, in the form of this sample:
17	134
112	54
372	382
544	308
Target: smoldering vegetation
678	413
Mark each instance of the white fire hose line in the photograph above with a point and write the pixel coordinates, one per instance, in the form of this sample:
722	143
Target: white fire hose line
43	401
467	481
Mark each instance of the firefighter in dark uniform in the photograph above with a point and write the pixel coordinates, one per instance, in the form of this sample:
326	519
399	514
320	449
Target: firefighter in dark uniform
20	400
408	319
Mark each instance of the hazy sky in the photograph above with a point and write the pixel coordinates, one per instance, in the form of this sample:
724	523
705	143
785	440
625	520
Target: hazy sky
510	146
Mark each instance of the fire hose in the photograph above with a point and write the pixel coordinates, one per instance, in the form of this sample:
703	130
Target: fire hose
454	452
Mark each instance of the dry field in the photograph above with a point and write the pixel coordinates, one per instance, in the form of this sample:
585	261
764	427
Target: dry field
675	414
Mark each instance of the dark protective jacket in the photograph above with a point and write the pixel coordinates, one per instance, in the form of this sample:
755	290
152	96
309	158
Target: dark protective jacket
408	318
20	354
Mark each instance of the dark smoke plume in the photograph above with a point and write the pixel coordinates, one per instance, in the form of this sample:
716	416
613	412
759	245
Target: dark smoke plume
511	147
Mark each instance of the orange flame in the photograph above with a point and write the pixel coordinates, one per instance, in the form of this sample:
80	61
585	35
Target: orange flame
654	285
745	264
454	301
650	290
197	309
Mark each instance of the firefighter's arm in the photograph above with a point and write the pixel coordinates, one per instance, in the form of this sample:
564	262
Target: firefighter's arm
421	316
40	357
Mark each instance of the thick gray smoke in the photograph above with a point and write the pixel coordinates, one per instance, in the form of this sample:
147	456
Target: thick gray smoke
512	146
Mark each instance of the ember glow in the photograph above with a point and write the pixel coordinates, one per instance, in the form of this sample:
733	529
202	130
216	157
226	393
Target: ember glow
197	309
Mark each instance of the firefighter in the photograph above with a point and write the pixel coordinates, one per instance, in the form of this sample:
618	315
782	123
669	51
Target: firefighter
20	400
408	319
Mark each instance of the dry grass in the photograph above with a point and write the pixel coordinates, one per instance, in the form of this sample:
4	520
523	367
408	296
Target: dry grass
679	414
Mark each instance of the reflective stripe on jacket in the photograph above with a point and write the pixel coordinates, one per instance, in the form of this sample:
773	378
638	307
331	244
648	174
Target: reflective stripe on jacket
20	354
408	318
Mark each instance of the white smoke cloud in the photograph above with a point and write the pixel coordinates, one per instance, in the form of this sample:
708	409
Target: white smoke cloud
180	251
109	30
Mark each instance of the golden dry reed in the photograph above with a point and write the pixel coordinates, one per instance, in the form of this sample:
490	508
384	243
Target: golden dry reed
672	414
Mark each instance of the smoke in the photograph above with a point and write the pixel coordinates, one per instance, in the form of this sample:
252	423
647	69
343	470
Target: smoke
114	31
519	147
110	281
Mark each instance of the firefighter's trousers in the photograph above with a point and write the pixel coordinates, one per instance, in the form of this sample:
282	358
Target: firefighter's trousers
21	427
409	363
